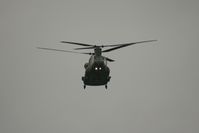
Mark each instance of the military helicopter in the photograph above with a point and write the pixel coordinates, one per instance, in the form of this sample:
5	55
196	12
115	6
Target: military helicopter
96	69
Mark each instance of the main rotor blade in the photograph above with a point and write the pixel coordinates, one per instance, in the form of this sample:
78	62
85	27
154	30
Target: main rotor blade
52	49
108	59
94	46
75	43
101	46
89	47
125	45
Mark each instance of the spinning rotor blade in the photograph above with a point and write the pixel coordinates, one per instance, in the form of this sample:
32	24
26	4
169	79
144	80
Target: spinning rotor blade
125	45
81	44
52	49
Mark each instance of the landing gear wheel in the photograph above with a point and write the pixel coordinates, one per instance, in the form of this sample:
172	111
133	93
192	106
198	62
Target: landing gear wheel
106	86
84	87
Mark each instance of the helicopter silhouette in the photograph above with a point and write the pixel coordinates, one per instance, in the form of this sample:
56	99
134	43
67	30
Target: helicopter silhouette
97	71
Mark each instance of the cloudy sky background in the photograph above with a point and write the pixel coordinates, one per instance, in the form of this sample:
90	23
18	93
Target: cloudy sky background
154	86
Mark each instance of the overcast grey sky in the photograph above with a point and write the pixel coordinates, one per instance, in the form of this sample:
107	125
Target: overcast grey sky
154	86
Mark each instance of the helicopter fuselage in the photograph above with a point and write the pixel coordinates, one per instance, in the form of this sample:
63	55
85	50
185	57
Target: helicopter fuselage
96	71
